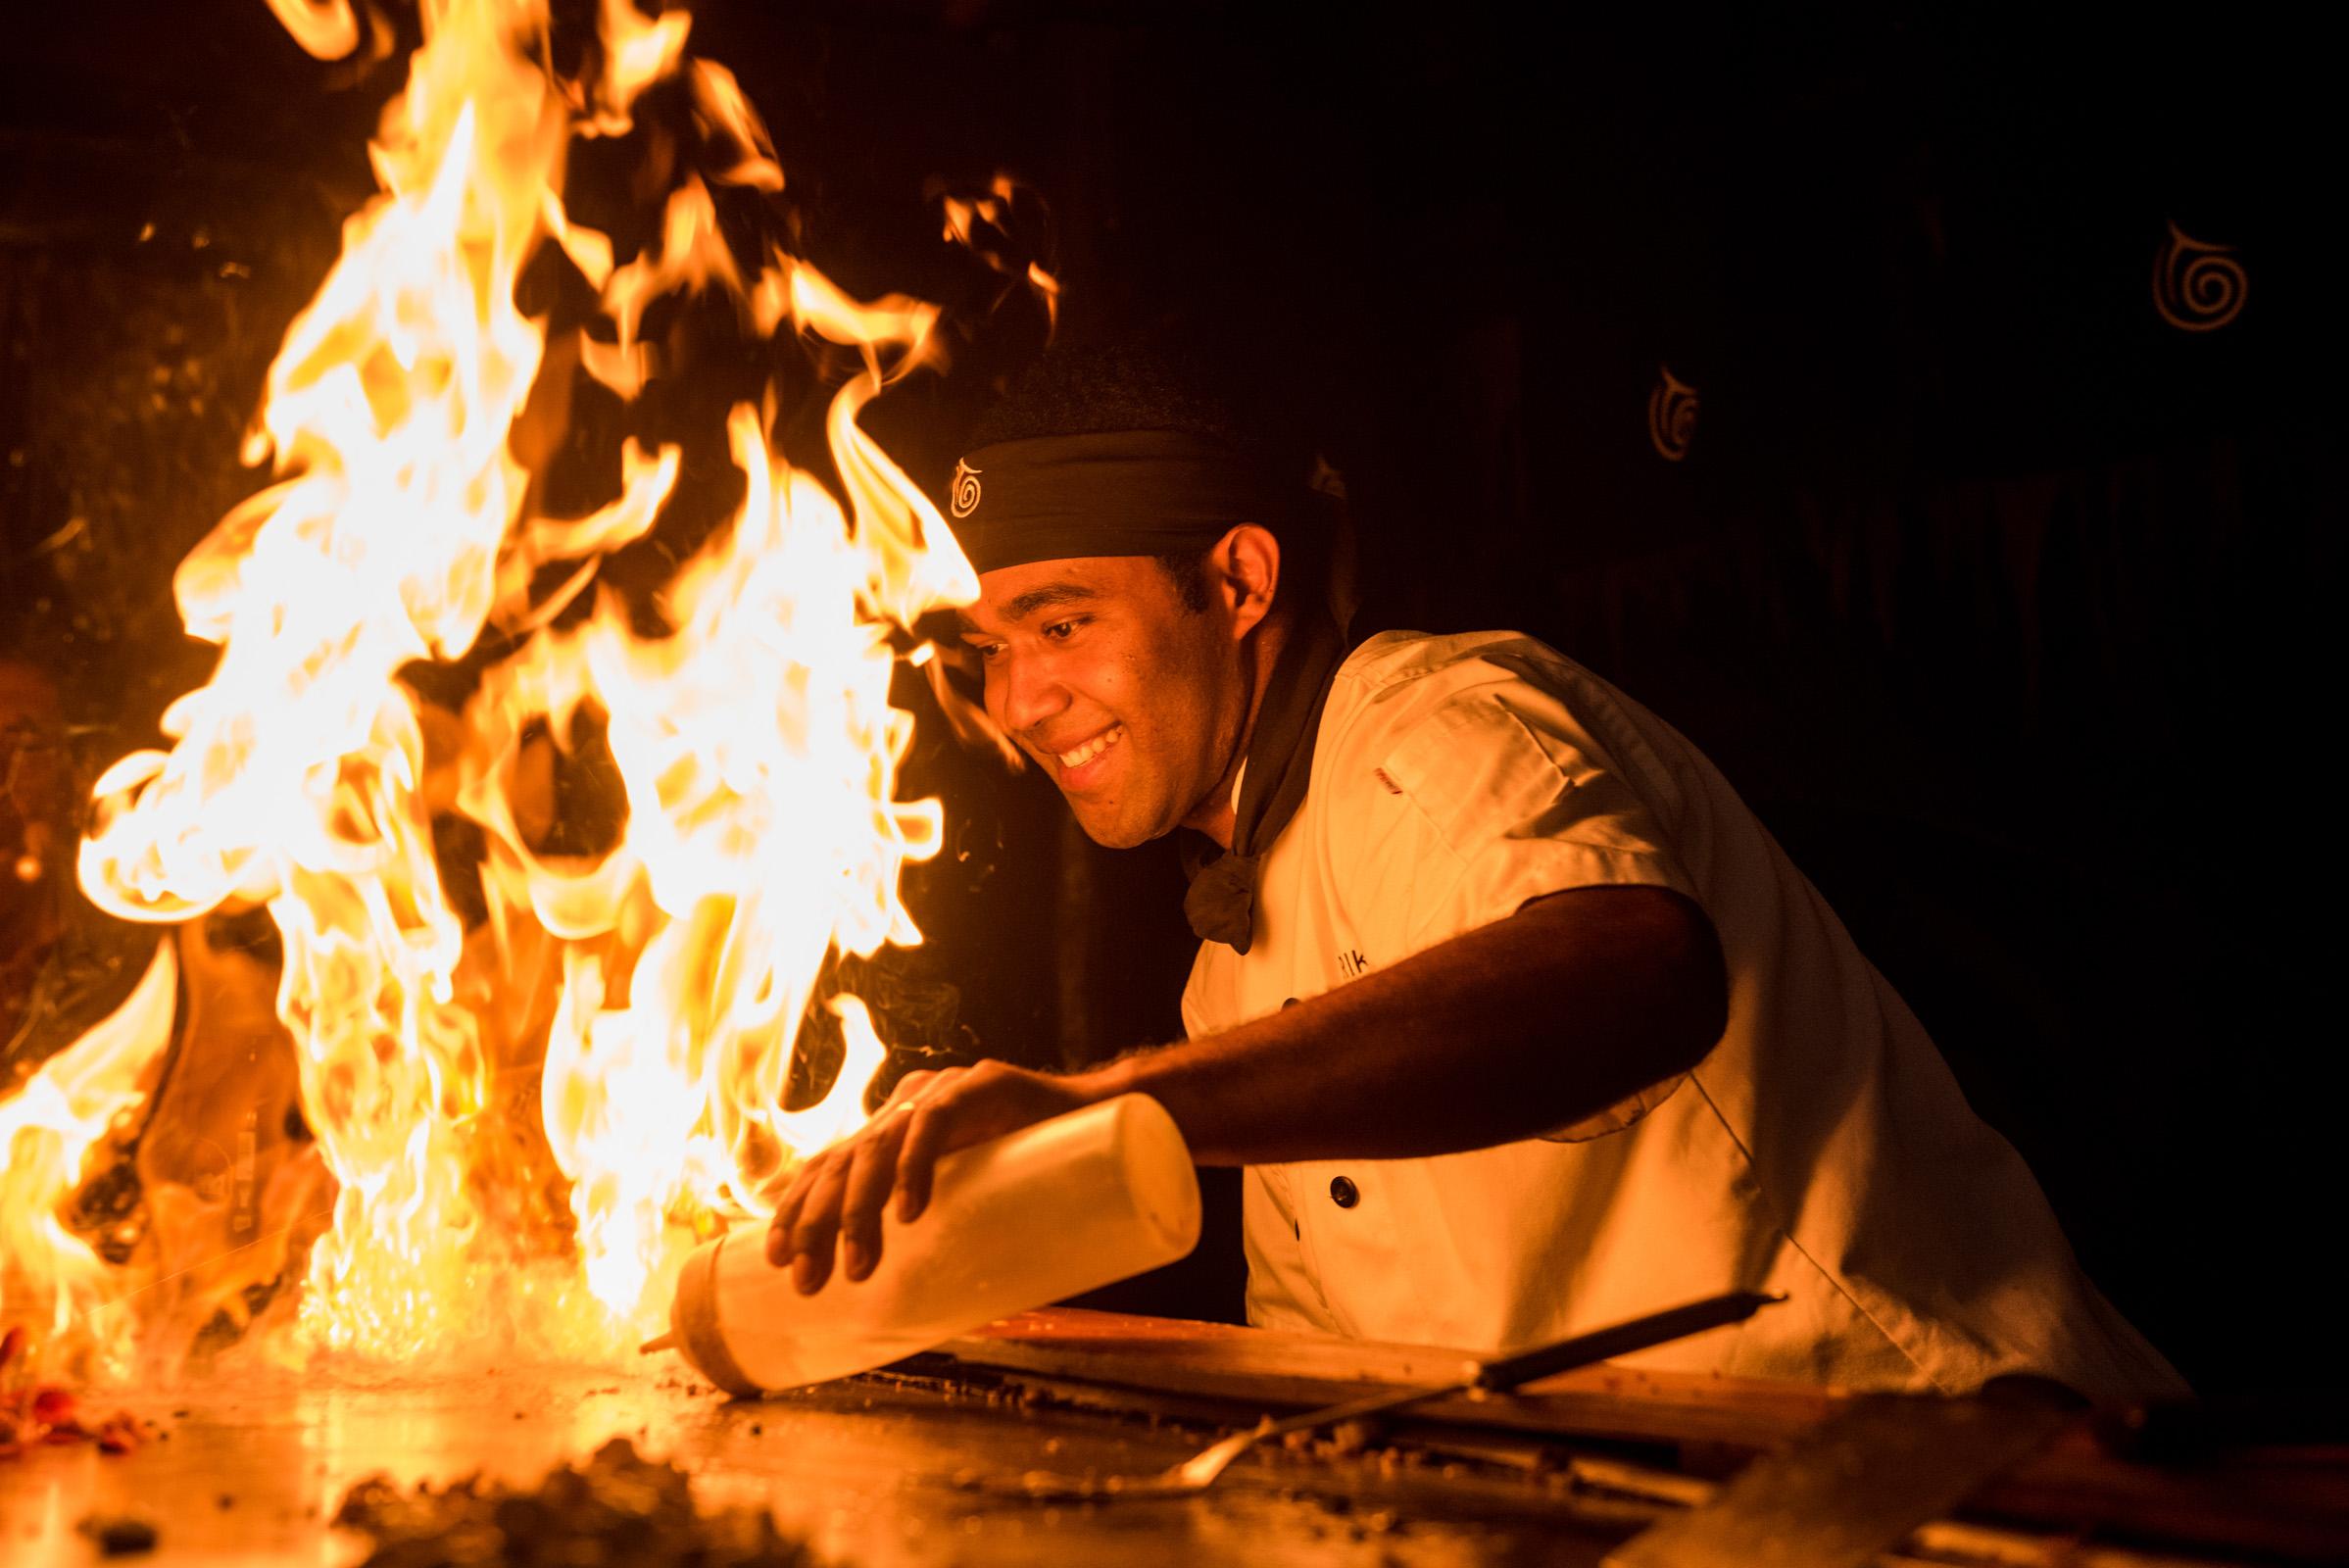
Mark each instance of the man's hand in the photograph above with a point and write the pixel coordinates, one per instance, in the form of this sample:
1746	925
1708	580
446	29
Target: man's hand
839	1195
1532	1022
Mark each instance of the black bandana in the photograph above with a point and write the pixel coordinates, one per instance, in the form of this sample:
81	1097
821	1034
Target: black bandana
1117	493
1221	904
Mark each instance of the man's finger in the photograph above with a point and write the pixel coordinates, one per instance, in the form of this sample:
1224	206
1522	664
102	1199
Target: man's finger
908	1088
795	1197
872	1169
925	1131
787	1212
817	1226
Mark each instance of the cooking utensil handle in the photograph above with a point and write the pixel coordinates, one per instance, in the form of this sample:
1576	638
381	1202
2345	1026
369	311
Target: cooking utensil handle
1622	1339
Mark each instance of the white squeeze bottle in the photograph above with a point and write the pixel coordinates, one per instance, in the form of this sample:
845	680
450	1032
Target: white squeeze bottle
1064	1207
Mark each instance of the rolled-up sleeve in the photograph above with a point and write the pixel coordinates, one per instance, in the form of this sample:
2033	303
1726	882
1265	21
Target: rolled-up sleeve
1497	796
1522	806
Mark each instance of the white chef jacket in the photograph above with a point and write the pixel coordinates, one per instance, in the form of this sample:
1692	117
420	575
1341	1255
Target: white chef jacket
1821	1149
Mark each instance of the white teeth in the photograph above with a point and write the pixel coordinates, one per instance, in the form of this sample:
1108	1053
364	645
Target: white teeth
1093	748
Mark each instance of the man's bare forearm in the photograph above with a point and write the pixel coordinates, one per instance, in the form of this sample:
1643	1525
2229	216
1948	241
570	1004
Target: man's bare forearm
1532	1022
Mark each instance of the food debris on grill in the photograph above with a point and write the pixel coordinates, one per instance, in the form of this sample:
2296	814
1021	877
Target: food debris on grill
618	1508
120	1535
46	1413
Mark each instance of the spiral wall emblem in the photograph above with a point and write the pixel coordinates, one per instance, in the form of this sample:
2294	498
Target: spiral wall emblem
964	499
1671	416
2198	288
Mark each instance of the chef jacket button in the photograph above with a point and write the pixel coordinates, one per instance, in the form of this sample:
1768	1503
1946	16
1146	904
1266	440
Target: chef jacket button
1291	1003
1343	1192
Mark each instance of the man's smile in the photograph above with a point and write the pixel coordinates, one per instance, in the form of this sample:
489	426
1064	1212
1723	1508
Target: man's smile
1075	760
1126	697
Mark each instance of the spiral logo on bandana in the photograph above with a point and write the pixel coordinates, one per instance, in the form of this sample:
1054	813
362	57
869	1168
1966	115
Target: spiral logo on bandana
2198	288
1671	416
964	499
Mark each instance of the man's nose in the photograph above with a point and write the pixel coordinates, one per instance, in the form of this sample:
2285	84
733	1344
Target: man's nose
1024	693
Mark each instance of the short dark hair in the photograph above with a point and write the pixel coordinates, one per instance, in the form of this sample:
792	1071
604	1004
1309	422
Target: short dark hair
1188	571
1127	386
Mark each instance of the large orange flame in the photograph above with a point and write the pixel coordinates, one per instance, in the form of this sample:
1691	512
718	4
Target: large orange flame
753	736
51	1279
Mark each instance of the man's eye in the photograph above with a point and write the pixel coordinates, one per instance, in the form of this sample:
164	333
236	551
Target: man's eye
1060	631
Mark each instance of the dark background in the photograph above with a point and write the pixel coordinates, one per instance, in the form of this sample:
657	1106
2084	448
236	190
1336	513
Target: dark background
2006	603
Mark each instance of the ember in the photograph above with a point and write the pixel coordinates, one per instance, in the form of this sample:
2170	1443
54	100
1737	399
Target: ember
43	1412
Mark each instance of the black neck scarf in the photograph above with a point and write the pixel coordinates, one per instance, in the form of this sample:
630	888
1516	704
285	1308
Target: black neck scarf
1222	899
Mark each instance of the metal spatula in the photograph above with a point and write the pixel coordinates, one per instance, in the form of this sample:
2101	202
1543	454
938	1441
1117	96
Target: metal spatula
1199	1472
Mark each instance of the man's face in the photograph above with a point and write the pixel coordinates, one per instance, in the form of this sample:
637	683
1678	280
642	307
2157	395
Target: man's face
1130	703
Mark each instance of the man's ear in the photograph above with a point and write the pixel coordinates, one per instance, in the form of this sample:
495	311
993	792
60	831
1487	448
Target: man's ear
1245	568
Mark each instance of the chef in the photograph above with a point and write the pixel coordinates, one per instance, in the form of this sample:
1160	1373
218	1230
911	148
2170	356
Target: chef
1518	1019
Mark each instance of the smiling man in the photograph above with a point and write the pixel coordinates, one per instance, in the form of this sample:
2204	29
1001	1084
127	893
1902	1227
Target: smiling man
1134	754
1518	1019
